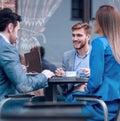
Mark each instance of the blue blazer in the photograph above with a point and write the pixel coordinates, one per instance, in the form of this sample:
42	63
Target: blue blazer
105	71
12	76
68	60
104	80
68	63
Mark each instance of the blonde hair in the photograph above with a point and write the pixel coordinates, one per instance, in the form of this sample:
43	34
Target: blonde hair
109	20
85	26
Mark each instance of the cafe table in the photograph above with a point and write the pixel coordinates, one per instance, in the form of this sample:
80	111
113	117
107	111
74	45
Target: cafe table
51	90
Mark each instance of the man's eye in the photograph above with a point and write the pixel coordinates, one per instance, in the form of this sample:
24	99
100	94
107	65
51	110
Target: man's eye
79	35
73	35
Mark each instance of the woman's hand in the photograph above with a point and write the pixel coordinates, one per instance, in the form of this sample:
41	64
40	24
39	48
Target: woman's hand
86	71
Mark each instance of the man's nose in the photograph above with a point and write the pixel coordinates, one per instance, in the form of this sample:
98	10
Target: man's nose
75	37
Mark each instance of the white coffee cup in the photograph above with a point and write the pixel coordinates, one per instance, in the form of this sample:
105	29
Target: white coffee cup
70	73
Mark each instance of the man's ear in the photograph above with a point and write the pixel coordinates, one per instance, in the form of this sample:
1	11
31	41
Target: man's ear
88	36
10	27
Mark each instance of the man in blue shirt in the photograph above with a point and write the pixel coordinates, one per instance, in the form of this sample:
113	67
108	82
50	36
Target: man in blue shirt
77	59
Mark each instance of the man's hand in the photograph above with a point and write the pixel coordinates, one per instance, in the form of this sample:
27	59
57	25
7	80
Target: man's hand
59	72
24	68
48	73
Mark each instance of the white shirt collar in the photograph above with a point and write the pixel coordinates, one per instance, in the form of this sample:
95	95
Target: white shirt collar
5	38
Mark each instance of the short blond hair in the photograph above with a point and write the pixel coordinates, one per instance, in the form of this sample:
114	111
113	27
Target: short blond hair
85	26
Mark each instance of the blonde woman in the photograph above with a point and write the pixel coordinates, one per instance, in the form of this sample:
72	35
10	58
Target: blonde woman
104	64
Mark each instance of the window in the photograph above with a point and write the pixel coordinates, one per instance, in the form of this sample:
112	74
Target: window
81	10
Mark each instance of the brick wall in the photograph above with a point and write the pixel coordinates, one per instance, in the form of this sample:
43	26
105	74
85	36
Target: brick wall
9	4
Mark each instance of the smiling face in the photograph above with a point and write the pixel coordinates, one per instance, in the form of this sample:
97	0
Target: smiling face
80	38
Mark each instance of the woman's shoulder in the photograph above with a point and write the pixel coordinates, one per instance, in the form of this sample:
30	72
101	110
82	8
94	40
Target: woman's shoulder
101	40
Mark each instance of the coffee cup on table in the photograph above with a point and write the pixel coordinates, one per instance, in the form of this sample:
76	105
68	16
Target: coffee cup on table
70	73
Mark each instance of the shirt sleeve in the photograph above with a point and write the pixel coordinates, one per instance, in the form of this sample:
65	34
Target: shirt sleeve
96	65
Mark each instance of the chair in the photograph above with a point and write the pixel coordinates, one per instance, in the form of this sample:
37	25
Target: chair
48	111
14	103
37	99
33	61
96	99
